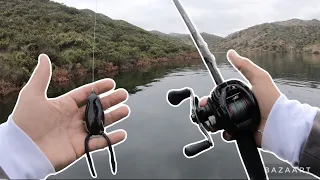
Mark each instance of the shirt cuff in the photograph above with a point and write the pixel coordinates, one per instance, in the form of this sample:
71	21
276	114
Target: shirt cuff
287	128
20	157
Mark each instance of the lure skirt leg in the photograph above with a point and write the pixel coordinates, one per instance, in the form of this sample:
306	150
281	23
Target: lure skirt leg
112	156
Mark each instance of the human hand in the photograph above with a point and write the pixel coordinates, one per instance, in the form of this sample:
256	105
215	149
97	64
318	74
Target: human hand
56	124
262	87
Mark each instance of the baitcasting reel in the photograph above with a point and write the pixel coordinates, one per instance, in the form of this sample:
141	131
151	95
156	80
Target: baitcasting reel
232	107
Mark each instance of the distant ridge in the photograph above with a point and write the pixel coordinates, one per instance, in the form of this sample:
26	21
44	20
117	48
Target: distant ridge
92	13
185	38
294	35
299	22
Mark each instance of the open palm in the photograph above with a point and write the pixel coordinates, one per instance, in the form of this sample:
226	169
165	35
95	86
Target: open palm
56	124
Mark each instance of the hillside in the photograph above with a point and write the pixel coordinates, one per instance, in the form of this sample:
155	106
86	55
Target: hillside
294	35
169	37
158	33
31	27
282	36
299	22
211	39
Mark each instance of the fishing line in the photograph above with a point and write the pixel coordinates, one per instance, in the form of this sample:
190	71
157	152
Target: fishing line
94	39
94	115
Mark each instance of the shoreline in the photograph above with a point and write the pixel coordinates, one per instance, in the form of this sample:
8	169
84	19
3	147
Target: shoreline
61	76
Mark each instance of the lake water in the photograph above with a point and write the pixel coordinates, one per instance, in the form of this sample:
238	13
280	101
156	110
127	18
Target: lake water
158	132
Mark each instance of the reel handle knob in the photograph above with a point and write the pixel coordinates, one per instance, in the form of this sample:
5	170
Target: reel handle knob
194	149
175	97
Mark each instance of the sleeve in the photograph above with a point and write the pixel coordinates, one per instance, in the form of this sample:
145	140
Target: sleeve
20	157
310	155
287	128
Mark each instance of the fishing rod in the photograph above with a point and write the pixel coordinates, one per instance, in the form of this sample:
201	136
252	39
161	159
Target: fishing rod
94	119
231	106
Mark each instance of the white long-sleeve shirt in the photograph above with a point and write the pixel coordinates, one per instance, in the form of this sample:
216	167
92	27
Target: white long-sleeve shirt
287	128
20	157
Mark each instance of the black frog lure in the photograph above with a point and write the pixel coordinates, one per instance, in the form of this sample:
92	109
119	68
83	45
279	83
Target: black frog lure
94	125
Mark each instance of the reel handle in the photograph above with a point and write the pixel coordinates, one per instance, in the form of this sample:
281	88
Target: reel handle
194	149
175	97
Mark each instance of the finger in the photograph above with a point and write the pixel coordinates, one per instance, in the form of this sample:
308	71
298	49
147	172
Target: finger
116	137
251	71
116	115
227	136
214	129
40	78
117	97
203	101
81	94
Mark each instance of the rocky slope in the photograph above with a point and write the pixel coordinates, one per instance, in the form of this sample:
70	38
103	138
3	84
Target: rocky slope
285	36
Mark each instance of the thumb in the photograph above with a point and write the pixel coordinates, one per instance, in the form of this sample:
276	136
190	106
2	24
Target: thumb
248	69
41	75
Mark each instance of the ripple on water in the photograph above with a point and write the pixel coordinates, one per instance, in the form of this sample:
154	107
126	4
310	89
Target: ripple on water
308	84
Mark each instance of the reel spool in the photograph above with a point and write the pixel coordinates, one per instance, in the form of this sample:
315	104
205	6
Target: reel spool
232	107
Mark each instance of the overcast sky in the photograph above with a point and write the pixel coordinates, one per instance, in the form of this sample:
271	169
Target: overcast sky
219	17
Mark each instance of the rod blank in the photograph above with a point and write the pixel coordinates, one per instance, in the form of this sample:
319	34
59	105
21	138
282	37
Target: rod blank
201	45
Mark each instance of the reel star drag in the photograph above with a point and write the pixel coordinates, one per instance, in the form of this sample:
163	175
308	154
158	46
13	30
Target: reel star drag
94	119
231	106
